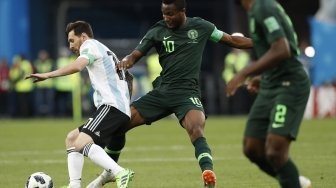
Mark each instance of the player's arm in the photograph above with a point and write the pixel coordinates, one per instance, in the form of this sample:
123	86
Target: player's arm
129	60
230	40
78	65
278	52
236	41
253	84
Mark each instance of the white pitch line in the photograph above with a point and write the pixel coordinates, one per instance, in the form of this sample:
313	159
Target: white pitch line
137	160
131	149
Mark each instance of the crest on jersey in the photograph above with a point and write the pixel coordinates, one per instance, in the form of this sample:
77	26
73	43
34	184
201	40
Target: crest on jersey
192	34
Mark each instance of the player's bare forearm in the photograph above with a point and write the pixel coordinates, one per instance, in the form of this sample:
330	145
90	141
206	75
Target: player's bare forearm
241	42
278	52
237	41
72	68
129	60
67	70
38	77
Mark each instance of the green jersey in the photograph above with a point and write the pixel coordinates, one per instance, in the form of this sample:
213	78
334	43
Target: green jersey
180	51
267	23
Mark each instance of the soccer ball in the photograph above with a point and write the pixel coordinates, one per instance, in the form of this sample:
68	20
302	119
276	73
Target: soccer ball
39	180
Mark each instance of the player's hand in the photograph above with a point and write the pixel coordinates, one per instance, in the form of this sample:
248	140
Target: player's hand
253	84
37	77
234	83
125	63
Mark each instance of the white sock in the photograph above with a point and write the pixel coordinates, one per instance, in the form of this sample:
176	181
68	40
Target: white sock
100	157
75	167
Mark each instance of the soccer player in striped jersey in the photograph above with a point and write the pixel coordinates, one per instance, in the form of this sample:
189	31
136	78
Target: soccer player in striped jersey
111	97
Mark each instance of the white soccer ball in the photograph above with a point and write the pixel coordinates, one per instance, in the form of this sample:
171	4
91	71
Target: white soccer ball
39	180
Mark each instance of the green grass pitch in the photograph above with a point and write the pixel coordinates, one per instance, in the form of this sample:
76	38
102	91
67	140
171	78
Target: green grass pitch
162	155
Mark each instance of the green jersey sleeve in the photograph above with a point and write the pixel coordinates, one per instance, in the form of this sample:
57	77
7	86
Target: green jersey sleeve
146	43
271	24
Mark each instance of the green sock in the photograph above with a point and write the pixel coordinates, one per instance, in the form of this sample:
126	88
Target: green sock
203	154
288	175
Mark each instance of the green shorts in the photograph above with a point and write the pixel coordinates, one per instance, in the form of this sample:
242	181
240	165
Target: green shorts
158	104
278	111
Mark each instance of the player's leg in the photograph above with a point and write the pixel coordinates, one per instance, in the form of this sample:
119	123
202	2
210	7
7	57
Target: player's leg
75	159
99	157
95	132
145	110
254	150
189	110
287	113
115	146
255	133
286	117
277	148
118	139
194	122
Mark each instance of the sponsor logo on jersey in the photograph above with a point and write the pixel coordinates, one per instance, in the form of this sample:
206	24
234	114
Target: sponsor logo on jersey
277	125
165	38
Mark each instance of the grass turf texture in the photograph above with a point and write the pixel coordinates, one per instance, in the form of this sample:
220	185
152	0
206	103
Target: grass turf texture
162	155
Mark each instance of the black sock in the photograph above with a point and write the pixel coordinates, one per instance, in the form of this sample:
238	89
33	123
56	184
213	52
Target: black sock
203	154
266	167
113	149
288	175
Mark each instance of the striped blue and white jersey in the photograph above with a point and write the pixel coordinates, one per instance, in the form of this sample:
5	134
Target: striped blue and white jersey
109	84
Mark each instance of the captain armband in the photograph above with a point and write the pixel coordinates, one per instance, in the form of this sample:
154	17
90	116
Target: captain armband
216	35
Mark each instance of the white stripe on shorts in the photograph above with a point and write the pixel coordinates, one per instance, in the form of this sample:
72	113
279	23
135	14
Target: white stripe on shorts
92	125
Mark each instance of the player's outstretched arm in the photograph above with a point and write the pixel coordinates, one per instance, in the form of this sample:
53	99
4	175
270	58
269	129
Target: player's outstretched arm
38	76
278	51
78	65
129	60
237	41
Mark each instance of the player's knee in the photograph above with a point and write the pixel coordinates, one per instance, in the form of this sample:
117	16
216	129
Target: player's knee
195	132
254	149
252	153
71	138
275	158
136	119
78	146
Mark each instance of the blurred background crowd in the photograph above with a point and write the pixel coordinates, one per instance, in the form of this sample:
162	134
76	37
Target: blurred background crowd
32	39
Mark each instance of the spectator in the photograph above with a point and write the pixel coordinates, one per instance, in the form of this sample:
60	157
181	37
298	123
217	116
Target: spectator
234	61
44	92
23	89
63	86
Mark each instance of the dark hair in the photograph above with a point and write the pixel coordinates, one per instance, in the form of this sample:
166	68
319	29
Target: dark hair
180	4
79	27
